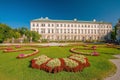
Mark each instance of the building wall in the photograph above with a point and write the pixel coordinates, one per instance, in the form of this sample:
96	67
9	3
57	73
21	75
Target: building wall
71	30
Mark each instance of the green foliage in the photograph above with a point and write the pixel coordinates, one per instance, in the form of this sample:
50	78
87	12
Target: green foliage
30	34
35	36
113	35
19	69
7	33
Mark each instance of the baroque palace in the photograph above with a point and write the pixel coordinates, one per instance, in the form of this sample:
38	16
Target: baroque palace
71	30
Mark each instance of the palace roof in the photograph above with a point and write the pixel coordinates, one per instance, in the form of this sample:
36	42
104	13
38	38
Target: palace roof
67	21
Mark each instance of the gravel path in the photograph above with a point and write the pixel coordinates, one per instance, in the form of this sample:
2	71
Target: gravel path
116	76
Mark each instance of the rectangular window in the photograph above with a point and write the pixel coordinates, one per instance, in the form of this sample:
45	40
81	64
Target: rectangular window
64	25
52	25
57	30
57	25
33	25
37	25
61	25
48	25
42	30
78	30
68	31
43	25
75	30
71	30
64	30
61	30
48	30
71	25
52	30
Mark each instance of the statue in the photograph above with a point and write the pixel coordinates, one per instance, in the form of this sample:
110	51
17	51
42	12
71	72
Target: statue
13	40
30	39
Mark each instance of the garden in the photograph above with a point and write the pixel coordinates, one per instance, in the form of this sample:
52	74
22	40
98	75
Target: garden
70	62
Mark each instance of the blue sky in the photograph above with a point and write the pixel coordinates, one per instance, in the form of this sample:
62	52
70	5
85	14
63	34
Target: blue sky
19	13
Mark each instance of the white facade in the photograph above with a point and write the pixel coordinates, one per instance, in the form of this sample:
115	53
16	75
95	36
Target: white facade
71	30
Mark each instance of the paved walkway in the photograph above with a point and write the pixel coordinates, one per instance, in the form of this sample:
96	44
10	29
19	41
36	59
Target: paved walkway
116	76
42	44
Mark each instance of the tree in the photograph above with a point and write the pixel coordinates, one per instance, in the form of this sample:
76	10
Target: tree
5	32
17	35
35	36
113	35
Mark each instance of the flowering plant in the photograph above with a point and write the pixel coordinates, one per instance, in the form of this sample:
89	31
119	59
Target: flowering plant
21	55
73	63
95	53
9	48
80	59
41	59
54	63
94	47
70	63
18	46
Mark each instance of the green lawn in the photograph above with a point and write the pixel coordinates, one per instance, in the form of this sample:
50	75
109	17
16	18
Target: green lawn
19	69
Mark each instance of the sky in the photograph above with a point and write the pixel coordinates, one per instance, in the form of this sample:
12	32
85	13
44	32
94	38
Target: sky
19	13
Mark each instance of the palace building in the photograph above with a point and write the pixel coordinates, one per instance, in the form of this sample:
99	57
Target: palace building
71	30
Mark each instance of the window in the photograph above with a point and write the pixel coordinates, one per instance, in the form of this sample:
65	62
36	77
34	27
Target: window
33	25
85	31
75	25
68	25
71	25
91	31
48	25
52	25
42	30
71	30
75	30
57	25
64	30
64	25
82	26
88	31
88	25
48	30
78	30
57	30
91	26
68	31
61	25
94	26
52	30
42	25
61	30
95	31
37	25
82	31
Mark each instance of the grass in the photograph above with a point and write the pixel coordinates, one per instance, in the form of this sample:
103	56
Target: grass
19	69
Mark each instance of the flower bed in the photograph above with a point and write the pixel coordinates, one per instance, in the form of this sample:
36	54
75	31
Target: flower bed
95	53
18	46
111	45
73	50
73	63
23	55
